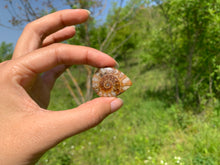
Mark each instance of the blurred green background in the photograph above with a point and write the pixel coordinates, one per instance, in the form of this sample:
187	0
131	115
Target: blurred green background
170	49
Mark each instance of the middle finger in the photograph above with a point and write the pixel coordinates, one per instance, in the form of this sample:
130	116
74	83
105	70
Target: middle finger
36	31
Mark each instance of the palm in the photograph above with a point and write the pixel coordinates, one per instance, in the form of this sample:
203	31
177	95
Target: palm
43	84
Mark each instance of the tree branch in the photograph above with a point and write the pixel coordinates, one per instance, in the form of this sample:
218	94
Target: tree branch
76	85
120	45
70	89
114	28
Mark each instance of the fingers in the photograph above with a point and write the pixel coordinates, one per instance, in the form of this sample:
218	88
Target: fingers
63	124
59	36
34	133
36	31
49	57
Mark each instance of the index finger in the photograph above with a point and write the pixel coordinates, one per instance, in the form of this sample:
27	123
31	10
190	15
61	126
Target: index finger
46	58
35	32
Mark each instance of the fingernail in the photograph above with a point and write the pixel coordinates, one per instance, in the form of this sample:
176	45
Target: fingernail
74	27
116	65
88	11
116	104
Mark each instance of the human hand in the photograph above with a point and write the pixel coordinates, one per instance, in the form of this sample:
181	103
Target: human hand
27	129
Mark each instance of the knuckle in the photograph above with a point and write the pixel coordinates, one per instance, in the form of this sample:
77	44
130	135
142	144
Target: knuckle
56	47
32	29
29	26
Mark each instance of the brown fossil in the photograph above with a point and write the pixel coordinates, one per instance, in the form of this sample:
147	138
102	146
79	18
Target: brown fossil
110	82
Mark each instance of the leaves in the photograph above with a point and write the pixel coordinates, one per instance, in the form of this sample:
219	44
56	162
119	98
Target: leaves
6	51
186	43
179	36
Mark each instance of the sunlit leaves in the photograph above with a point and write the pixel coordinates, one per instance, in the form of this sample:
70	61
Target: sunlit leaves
186	41
6	51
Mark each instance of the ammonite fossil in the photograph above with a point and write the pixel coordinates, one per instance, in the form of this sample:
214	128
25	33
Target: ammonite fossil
110	82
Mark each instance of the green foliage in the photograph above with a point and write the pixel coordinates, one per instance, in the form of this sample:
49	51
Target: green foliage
6	51
170	51
186	42
147	130
179	36
151	128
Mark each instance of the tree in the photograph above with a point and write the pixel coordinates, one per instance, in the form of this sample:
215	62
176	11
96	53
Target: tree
188	45
6	51
24	11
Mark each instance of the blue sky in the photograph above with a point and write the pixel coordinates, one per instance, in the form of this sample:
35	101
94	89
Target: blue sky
7	35
11	35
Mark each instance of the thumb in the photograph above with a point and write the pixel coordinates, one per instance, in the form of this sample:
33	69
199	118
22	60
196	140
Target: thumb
63	124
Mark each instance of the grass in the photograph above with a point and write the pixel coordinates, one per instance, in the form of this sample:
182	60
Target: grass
146	130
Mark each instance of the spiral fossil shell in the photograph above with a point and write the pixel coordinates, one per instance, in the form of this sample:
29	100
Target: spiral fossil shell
110	82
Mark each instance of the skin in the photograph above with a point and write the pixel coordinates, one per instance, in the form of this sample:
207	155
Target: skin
27	129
